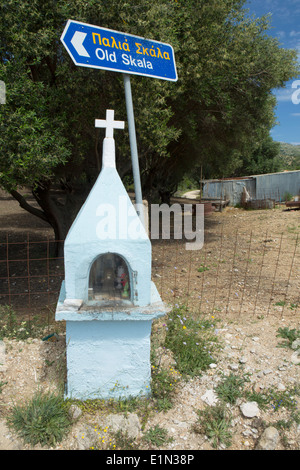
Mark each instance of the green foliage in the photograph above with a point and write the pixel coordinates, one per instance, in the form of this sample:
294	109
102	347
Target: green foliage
215	421
265	158
231	388
289	335
122	441
261	399
32	144
283	398
44	420
290	155
2	385
163	382
156	436
190	341
191	344
13	327
287	196
203	268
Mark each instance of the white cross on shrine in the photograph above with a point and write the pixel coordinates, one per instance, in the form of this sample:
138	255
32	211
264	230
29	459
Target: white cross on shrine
109	124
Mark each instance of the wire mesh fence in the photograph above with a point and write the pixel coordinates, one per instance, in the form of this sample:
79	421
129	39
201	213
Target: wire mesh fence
234	274
253	274
30	275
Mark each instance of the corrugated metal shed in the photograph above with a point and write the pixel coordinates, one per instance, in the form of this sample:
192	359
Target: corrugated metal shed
268	186
276	185
231	189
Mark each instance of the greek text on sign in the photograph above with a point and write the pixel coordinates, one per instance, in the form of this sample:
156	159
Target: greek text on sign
95	47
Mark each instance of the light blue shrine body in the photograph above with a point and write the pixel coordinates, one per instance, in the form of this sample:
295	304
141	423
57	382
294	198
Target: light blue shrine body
108	346
83	246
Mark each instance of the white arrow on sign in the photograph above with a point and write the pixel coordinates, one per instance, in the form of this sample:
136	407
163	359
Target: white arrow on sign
77	41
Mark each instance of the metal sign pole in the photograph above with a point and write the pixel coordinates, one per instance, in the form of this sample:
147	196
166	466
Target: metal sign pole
133	146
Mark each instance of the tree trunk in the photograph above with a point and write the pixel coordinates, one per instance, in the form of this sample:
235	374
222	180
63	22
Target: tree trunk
60	208
57	207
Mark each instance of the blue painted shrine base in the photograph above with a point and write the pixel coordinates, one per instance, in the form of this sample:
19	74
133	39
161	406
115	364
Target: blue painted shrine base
108	351
108	359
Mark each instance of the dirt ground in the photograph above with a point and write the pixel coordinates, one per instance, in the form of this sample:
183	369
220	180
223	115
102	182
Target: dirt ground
247	276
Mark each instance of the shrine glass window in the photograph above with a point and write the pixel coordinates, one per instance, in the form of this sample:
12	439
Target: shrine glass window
109	279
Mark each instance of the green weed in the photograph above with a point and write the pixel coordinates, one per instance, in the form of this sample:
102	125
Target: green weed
288	335
203	268
231	388
14	327
281	303
44	420
163	382
283	399
214	422
261	399
192	343
122	441
2	385
156	436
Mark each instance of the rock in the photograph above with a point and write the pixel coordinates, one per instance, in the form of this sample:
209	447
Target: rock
250	409
3	367
247	433
295	357
8	441
257	423
86	437
209	397
75	412
129	424
269	439
296	344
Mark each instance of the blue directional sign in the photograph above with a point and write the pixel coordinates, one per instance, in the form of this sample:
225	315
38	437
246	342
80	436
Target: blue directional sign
101	48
